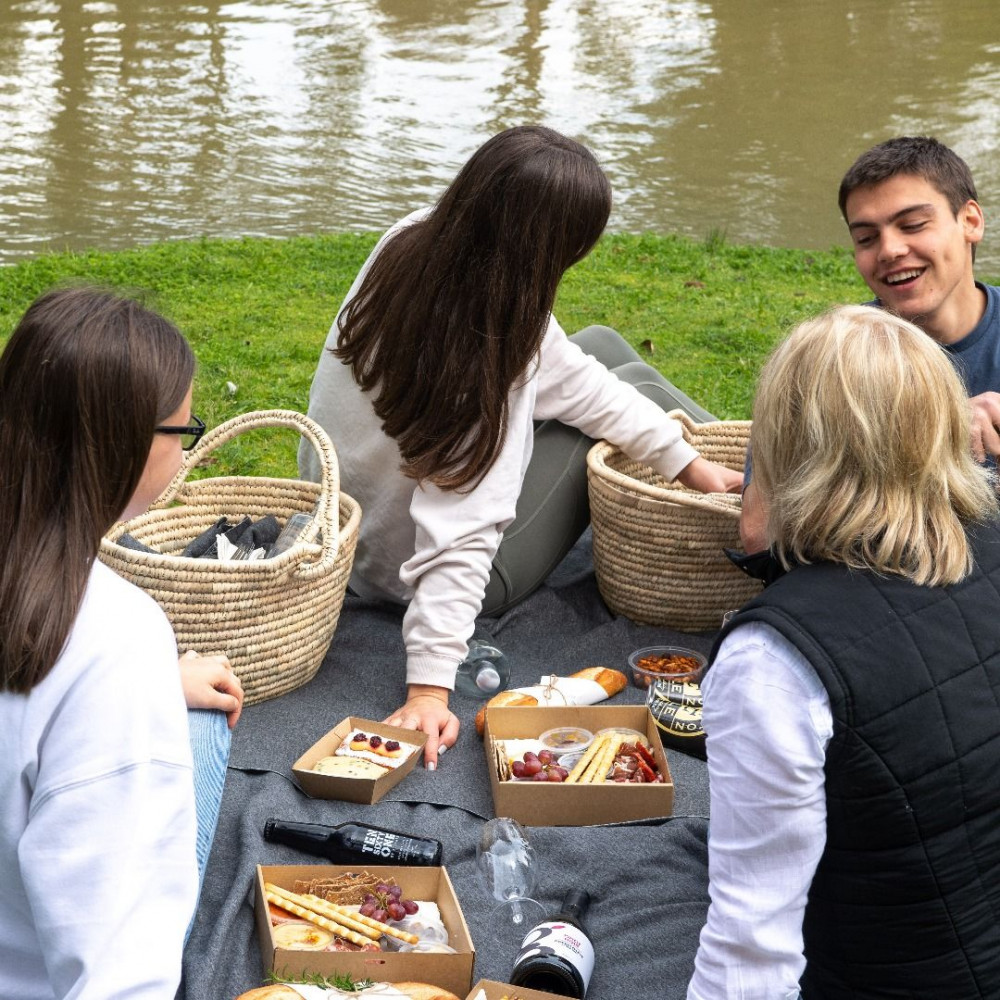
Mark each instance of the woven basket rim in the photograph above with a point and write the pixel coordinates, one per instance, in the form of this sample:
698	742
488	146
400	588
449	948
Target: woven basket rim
259	567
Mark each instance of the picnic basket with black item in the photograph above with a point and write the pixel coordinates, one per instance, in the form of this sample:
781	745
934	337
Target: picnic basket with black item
273	618
658	546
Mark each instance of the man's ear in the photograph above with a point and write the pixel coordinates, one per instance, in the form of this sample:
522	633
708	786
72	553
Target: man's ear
970	215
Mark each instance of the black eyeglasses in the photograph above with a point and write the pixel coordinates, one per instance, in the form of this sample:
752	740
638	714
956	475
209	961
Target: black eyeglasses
190	435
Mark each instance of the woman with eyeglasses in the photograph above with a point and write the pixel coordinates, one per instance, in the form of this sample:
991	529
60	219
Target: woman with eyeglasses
99	825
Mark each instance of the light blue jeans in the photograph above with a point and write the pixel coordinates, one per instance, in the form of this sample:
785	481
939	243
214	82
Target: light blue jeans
210	739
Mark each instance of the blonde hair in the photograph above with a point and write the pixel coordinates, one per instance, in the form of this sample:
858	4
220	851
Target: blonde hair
861	446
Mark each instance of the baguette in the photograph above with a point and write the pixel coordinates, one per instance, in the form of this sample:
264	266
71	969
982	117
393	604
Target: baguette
612	681
415	991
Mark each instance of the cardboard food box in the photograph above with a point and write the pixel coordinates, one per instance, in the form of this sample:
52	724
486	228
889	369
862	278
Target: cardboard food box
452	972
550	804
364	791
498	991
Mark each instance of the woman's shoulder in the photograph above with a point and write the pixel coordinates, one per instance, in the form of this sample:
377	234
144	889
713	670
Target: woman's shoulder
114	608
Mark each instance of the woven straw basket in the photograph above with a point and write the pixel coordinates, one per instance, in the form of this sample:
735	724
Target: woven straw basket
273	618
658	545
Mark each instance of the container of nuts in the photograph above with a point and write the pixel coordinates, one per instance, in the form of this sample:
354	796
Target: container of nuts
675	663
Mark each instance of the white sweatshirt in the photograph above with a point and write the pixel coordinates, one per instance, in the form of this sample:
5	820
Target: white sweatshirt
433	549
97	830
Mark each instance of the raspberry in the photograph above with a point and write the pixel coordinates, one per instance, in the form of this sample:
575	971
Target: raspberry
375	741
392	746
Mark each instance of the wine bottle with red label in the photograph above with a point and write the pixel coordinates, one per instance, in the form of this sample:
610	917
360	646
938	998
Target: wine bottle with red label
557	955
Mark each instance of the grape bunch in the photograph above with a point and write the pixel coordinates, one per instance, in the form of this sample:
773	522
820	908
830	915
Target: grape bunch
541	766
386	904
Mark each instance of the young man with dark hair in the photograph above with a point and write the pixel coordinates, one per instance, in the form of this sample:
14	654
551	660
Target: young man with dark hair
910	206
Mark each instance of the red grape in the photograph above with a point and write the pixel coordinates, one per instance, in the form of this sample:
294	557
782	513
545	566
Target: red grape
517	768
409	906
553	775
541	776
367	909
546	756
381	916
396	911
532	767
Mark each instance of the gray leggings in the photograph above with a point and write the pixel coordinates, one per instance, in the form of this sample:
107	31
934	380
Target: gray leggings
552	509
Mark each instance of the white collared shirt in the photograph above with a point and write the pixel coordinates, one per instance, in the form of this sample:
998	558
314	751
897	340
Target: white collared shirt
768	722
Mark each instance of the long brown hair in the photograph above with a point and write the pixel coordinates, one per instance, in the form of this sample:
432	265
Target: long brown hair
84	380
453	309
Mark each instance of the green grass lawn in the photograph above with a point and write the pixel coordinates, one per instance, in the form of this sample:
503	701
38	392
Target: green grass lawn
257	312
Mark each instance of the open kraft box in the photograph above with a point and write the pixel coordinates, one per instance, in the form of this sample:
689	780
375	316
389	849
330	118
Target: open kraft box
363	791
547	804
498	991
452	972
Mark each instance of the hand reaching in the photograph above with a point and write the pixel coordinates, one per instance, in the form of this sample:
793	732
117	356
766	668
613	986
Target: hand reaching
209	682
707	477
426	710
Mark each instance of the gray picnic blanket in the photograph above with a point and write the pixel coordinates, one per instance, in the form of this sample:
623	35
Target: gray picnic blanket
648	880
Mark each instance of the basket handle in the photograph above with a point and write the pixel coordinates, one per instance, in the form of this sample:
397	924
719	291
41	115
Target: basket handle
328	510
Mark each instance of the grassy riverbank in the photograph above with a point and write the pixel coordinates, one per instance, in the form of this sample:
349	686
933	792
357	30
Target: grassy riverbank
257	312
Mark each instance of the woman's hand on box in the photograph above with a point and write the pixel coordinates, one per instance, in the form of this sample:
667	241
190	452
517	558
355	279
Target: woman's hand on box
209	682
426	710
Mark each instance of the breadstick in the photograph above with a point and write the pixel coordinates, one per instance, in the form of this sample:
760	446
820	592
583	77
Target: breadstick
591	770
349	919
604	763
584	762
272	894
374	924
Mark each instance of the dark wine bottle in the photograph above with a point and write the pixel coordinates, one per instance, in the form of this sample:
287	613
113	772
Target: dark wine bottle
557	956
354	843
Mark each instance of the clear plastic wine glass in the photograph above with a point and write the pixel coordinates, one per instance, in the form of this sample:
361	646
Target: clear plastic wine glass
484	672
509	866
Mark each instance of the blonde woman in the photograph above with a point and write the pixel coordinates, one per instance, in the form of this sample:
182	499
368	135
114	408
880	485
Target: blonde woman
853	708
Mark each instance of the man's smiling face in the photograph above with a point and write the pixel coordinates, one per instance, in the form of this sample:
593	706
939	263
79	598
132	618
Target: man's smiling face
916	255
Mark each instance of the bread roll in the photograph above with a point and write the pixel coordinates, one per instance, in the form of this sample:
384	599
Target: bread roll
612	681
415	991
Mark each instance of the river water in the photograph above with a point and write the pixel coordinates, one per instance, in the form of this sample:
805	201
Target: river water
130	121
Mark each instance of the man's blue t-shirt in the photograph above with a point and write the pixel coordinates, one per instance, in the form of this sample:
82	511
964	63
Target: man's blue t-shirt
976	356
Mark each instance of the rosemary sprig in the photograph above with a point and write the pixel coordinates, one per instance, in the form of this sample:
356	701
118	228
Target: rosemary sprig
340	982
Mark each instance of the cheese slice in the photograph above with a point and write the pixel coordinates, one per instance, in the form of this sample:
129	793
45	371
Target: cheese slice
349	767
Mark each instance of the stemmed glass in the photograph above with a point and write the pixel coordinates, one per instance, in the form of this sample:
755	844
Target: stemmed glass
484	672
509	866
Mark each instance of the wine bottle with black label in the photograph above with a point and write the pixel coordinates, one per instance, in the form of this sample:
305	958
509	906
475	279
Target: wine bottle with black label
557	955
354	843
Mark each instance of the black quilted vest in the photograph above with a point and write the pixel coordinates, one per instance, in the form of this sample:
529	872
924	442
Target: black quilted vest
906	899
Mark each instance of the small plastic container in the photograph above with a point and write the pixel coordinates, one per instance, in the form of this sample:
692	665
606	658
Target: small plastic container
675	663
570	760
629	735
566	739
